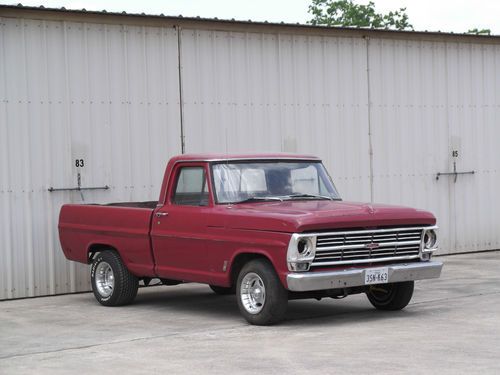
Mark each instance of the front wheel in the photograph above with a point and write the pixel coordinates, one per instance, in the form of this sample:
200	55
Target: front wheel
395	296
262	299
112	283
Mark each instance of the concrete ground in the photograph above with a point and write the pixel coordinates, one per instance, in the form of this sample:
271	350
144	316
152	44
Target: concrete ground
451	326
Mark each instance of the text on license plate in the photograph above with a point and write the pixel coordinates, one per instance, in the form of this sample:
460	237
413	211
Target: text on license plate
376	275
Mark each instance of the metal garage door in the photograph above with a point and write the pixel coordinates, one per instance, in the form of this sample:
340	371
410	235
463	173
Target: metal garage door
252	92
433	111
84	103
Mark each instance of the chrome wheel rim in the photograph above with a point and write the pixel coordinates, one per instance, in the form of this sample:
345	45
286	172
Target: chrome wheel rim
253	293
104	279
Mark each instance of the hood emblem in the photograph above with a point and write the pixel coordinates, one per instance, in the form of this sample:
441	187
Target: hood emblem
370	209
372	246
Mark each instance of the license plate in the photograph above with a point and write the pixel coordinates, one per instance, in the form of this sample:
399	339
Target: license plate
376	276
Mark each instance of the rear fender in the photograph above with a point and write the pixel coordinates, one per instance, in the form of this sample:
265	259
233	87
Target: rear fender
138	270
96	248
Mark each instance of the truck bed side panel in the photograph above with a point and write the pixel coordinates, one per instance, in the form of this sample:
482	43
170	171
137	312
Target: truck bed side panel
124	228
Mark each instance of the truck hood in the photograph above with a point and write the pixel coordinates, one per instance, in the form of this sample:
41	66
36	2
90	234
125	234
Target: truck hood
310	215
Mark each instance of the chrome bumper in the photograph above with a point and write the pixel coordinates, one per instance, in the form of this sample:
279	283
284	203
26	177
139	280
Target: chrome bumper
302	282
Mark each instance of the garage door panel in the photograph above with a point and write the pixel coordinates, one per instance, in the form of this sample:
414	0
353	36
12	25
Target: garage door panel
410	134
437	118
277	92
76	91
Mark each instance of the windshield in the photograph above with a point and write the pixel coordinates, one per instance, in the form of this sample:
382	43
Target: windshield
271	180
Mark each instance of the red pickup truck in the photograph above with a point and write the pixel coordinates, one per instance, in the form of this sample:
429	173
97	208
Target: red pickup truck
267	227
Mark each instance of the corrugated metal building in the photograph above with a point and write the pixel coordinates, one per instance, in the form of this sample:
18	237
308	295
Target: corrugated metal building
103	100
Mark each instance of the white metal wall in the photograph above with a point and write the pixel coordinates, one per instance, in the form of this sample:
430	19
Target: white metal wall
110	95
106	94
272	92
431	101
310	94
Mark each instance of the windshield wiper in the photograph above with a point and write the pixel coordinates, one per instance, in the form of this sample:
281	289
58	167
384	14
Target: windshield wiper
259	199
312	196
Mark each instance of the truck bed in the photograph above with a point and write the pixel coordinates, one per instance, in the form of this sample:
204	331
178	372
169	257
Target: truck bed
123	226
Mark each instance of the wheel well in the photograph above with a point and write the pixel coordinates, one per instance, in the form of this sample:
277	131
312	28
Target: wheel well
240	261
97	248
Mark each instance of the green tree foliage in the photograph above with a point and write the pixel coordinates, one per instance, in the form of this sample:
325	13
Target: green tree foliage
347	13
479	32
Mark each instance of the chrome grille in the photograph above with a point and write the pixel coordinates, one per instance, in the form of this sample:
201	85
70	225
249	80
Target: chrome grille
366	246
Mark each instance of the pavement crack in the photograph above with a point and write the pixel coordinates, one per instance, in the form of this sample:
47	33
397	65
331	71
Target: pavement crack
453	298
116	342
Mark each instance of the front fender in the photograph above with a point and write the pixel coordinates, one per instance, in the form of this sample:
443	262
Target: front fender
245	254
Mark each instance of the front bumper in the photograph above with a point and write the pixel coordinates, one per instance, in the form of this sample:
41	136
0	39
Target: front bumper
303	282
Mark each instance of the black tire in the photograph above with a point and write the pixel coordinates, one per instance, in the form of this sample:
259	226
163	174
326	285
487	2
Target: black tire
125	285
395	296
275	300
223	291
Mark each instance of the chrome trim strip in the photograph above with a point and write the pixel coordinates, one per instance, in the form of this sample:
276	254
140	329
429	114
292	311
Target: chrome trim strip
317	234
365	260
349	277
319	248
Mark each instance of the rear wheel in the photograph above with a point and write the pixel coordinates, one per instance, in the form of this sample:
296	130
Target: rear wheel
395	296
112	283
222	291
262	299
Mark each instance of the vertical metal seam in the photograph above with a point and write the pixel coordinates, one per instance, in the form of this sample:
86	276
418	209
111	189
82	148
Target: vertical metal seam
50	207
90	125
451	200
109	149
202	122
7	213
231	87
249	113
264	81
280	96
293	61
369	97
324	97
29	222
89	111
147	105
216	86
309	100
128	104
164	38
72	266
181	100
339	113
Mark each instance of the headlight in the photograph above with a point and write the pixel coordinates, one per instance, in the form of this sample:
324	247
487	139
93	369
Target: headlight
429	240
305	246
301	252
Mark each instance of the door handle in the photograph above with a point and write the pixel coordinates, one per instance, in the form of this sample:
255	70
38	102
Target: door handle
160	214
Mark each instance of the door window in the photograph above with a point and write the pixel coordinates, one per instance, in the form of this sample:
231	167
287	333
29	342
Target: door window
191	187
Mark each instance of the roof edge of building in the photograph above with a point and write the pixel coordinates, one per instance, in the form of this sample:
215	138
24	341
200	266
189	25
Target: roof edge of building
94	16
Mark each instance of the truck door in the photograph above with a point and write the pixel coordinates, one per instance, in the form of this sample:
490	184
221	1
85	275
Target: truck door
179	230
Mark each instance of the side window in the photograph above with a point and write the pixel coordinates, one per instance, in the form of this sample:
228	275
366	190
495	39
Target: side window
191	187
